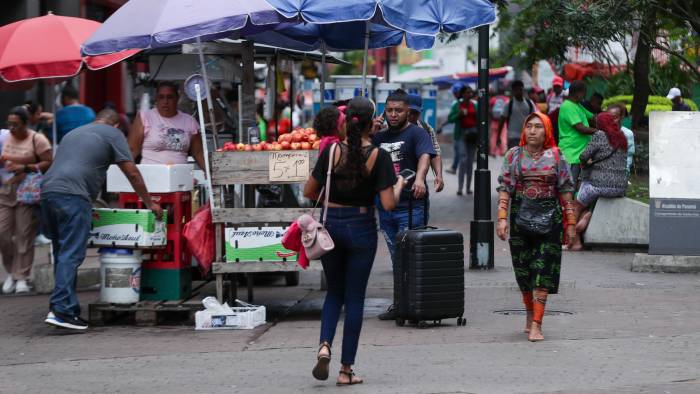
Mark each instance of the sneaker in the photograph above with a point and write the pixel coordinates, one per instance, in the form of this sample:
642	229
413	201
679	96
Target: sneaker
21	287
41	240
390	313
9	285
451	171
62	320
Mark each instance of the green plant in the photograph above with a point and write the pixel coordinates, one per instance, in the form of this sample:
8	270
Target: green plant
656	103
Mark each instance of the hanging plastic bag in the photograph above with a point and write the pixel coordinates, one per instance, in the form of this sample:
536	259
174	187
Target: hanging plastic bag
201	239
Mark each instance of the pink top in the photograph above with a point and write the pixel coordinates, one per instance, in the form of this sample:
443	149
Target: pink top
166	140
326	141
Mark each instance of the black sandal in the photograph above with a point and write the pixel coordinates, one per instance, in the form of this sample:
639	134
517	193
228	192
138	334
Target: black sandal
320	371
350	375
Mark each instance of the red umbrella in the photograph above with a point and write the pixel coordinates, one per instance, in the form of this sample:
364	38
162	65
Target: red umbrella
48	47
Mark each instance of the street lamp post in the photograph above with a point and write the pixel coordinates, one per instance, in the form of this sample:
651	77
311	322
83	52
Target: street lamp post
481	229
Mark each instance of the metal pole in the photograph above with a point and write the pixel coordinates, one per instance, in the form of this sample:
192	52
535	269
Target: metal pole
54	129
364	59
207	90
323	73
203	133
387	72
481	234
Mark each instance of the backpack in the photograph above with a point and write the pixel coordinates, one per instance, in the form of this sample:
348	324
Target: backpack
510	107
497	108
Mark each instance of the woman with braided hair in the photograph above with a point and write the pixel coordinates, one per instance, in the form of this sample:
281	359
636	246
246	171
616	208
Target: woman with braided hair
359	172
535	181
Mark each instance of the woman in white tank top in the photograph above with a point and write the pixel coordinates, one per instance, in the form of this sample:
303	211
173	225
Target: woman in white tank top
164	135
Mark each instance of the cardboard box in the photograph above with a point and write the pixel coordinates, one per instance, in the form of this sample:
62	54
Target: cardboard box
127	228
256	244
159	178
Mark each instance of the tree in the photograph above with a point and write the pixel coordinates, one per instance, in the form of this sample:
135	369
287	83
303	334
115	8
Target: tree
547	29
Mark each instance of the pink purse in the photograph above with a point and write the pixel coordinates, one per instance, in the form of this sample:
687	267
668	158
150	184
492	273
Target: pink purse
314	236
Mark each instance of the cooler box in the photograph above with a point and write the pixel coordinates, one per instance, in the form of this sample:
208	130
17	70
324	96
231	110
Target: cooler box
159	178
127	228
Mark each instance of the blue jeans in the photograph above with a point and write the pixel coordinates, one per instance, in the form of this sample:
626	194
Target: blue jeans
67	220
347	268
393	222
457	154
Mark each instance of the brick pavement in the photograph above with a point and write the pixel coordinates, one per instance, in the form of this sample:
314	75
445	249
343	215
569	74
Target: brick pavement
624	332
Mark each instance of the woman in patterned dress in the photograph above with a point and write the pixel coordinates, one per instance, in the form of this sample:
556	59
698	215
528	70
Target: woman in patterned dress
536	171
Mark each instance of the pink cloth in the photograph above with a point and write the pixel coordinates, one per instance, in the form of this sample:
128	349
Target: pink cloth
326	141
166	140
292	241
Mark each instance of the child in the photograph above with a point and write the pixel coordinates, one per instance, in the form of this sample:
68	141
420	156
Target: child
330	125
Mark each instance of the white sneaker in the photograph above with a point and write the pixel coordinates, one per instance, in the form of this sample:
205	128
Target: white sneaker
41	240
21	287
9	285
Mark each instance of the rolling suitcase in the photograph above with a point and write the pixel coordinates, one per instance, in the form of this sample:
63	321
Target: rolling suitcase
429	279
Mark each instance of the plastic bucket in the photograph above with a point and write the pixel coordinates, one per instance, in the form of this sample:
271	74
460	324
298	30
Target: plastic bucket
120	275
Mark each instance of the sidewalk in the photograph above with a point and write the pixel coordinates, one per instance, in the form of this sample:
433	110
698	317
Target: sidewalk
612	331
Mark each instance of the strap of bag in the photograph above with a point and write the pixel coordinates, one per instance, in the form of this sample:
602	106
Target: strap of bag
326	189
331	159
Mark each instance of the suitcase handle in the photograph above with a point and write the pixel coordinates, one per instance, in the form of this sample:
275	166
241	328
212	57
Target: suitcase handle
410	212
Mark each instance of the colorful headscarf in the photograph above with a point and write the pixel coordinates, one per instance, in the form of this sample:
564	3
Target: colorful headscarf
549	141
607	123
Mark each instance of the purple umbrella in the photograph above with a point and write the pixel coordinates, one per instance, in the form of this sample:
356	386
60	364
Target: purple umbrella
149	24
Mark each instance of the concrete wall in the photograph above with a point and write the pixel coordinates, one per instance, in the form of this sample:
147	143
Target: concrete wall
619	221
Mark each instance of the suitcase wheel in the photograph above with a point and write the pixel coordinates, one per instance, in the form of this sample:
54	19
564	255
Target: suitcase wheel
422	324
400	322
461	321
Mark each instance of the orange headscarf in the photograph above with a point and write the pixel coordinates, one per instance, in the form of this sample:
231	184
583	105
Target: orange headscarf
549	141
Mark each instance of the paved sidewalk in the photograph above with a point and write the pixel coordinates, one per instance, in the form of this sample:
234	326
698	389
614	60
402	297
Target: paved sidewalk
613	331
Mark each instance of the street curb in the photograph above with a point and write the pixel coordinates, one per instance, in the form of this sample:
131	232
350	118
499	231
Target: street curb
666	264
88	278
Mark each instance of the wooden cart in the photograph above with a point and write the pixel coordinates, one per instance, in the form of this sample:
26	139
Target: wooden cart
254	168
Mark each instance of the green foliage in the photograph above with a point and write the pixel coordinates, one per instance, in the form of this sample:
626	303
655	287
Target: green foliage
656	103
661	79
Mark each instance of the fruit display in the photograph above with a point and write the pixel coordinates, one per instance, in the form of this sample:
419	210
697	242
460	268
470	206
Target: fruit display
299	139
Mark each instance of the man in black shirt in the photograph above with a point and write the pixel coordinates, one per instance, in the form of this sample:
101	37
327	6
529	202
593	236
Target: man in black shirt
410	148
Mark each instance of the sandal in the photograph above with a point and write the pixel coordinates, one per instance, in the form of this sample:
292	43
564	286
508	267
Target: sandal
320	371
351	375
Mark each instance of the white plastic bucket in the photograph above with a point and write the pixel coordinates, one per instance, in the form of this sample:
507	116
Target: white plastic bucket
120	275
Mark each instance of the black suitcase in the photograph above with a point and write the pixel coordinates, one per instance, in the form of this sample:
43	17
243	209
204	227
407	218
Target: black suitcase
429	280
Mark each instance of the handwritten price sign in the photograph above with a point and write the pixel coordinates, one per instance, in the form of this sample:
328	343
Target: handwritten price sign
289	166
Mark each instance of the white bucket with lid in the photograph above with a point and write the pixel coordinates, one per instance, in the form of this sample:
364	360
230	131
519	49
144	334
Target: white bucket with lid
120	273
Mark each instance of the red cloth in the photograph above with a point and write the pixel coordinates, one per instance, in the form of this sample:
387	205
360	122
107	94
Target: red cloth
292	241
200	238
469	120
549	141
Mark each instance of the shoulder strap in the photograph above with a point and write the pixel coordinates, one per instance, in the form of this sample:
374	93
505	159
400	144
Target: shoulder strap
530	105
38	159
331	159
